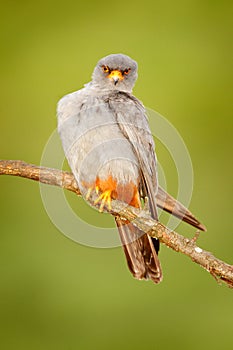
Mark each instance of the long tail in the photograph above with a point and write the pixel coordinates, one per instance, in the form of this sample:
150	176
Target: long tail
166	202
140	252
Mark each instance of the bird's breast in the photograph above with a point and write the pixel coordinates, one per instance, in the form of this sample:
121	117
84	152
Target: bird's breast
95	145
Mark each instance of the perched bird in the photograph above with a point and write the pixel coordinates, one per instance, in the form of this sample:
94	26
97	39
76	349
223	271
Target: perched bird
108	143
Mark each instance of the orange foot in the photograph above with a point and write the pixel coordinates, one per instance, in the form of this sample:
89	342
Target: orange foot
104	198
109	189
90	189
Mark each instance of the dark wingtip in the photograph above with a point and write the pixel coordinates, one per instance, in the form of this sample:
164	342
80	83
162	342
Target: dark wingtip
171	205
202	227
190	219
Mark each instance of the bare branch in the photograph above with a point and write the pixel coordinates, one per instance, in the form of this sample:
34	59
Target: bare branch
47	176
66	180
220	270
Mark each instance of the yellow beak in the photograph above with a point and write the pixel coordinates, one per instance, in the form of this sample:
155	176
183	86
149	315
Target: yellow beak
115	75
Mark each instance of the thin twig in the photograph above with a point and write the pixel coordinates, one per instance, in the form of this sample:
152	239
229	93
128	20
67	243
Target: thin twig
220	270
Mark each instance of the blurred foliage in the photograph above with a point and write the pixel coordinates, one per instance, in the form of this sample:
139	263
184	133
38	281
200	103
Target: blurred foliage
57	294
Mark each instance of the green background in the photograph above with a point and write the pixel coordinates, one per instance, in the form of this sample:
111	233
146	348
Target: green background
55	293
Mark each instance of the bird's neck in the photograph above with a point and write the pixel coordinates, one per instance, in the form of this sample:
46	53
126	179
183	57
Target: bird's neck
95	87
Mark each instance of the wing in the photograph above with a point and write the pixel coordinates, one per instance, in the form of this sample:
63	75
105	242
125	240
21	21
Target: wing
171	205
133	122
134	125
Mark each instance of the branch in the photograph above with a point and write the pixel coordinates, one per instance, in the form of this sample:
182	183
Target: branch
220	270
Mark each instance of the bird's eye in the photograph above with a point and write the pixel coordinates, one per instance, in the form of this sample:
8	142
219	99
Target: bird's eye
126	71
105	69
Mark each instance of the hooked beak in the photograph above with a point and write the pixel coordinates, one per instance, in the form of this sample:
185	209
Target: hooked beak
116	76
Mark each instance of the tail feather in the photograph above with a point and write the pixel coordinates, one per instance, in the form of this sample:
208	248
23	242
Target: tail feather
140	252
166	202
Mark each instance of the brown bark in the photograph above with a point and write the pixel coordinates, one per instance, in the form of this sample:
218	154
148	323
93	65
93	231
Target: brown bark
220	270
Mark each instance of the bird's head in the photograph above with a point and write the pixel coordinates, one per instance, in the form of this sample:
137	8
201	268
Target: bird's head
115	72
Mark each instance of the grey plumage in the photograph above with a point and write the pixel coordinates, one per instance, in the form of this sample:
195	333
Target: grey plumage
105	134
115	62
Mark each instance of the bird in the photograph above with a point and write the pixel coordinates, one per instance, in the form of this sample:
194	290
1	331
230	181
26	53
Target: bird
107	141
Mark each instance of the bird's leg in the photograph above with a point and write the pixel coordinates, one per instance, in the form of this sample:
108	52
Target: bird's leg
106	190
90	190
104	198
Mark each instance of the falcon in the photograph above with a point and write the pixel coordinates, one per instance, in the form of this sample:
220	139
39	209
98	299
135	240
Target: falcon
110	149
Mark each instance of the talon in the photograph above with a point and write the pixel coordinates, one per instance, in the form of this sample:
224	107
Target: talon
97	189
104	198
89	192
